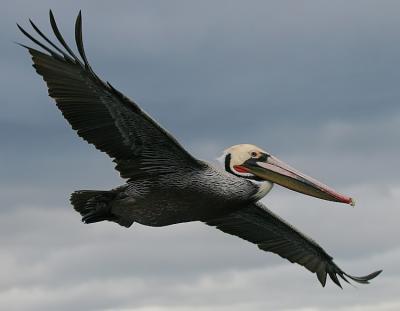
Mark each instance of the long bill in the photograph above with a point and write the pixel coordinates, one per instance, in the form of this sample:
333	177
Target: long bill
276	171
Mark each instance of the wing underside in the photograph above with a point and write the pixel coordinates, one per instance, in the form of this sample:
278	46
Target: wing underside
260	226
102	115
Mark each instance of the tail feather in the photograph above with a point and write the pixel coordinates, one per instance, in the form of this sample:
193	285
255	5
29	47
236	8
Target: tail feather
93	205
80	198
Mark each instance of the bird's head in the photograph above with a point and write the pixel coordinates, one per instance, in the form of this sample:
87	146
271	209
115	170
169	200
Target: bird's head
253	163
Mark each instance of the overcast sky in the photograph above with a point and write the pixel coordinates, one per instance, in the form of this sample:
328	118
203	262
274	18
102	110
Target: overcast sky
315	83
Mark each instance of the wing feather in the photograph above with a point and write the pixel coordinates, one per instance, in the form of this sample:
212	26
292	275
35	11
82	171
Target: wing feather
260	226
102	115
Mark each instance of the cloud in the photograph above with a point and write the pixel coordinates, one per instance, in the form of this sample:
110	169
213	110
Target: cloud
313	82
53	261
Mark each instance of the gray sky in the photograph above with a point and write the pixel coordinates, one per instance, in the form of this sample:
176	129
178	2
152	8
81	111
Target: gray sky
314	82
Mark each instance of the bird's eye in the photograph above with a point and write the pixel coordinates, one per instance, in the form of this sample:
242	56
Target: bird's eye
254	154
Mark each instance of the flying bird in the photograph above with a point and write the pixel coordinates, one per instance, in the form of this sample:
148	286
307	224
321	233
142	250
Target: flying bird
164	183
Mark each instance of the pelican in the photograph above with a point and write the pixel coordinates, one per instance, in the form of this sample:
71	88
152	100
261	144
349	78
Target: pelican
164	183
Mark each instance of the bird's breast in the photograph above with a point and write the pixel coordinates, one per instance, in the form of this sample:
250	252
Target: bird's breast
171	199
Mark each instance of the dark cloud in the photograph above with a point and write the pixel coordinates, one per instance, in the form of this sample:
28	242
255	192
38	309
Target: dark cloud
314	82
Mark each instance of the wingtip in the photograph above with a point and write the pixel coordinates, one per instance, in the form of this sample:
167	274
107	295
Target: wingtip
78	22
366	278
374	274
79	17
52	19
20	27
335	279
33	24
51	15
338	272
321	275
79	40
22	45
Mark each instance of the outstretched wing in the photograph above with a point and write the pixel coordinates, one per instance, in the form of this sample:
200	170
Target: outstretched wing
102	115
260	226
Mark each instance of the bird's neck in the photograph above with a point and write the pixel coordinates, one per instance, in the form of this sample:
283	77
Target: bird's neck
264	187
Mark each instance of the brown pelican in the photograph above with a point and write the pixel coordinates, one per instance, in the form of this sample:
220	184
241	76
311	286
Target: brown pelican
165	184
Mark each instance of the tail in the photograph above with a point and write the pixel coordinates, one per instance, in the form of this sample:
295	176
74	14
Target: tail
94	205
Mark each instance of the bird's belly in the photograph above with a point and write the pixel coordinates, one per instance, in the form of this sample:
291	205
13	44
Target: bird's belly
171	207
171	199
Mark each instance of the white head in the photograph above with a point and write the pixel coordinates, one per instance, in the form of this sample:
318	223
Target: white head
255	164
235	156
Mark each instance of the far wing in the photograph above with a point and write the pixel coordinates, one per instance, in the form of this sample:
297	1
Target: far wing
260	226
102	115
